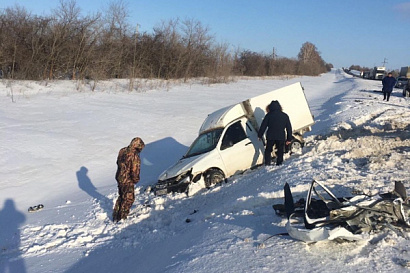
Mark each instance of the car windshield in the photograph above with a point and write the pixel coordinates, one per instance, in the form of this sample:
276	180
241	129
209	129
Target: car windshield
204	143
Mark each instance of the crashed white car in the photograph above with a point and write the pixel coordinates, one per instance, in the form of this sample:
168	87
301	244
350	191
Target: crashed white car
228	142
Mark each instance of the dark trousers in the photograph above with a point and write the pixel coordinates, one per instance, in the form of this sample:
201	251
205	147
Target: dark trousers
124	202
386	95
280	146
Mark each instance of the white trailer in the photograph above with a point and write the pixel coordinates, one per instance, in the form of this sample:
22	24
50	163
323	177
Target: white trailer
378	73
228	142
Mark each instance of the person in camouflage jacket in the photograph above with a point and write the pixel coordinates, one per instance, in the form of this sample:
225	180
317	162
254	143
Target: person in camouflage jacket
128	174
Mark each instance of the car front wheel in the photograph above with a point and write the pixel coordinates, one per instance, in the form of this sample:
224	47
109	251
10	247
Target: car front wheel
213	176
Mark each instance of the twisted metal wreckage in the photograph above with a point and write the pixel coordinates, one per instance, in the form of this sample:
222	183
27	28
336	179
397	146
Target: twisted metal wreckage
323	216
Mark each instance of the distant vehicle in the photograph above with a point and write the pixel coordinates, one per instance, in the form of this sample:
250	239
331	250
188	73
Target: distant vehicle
355	73
401	82
377	73
366	74
228	142
405	72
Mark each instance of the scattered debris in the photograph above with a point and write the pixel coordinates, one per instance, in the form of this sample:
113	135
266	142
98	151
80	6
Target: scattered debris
35	208
350	218
403	262
261	246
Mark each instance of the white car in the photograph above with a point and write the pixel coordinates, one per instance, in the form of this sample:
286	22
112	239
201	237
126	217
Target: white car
228	142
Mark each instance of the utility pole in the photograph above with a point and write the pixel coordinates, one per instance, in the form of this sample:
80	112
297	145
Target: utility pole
385	61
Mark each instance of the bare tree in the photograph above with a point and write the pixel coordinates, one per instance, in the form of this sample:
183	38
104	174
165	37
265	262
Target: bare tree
16	26
197	42
285	66
220	63
169	51
59	44
118	38
254	64
310	61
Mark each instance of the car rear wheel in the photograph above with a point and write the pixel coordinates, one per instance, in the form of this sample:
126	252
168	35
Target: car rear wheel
213	176
406	92
295	147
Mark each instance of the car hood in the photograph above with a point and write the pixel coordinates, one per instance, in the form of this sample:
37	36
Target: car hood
181	166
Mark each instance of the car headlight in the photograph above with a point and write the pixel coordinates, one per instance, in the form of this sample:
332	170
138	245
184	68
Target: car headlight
163	176
186	179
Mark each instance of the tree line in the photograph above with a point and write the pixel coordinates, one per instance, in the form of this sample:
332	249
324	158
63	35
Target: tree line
68	45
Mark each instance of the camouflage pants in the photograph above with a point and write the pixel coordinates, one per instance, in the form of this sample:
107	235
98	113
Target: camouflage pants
124	201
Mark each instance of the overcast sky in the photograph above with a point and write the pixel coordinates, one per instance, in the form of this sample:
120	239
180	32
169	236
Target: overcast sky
366	32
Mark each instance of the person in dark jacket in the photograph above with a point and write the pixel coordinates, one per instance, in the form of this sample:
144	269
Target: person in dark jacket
128	174
388	83
277	122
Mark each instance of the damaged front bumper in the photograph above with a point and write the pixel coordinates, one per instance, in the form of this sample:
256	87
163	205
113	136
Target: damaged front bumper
179	183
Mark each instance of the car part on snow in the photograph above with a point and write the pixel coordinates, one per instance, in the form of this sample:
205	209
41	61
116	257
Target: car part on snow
351	218
36	208
403	262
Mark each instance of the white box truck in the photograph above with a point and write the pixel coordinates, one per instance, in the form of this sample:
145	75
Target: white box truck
378	73
228	142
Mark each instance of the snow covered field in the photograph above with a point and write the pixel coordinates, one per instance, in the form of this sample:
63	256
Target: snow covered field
60	140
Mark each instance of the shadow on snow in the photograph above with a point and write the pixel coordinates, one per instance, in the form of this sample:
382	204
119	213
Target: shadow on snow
10	258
